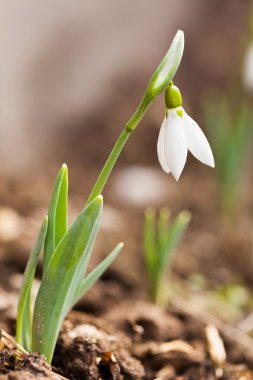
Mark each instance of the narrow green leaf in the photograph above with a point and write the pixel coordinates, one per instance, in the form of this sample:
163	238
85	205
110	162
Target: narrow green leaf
162	227
23	315
57	214
175	233
93	276
59	279
150	246
61	217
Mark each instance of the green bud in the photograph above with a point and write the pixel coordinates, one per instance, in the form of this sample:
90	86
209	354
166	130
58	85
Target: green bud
173	98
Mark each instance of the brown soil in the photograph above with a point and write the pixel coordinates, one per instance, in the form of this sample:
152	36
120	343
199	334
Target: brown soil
133	340
116	334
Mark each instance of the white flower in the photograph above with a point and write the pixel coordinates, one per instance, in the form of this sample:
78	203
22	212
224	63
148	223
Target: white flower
177	135
247	74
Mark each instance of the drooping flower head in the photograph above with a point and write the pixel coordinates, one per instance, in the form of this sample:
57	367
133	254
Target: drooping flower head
178	134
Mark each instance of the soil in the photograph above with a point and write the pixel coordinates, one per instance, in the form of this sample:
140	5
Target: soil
132	341
115	333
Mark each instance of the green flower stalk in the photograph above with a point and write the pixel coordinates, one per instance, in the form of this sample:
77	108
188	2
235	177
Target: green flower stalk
67	250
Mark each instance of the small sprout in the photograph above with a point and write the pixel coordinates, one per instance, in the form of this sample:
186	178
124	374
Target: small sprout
178	134
160	241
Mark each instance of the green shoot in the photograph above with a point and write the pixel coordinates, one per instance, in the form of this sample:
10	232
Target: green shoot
160	241
57	214
63	281
60	280
24	317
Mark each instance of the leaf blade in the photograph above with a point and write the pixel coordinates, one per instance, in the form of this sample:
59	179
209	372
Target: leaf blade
57	283
23	329
61	217
97	272
55	214
176	231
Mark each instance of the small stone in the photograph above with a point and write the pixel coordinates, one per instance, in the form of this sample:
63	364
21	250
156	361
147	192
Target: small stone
11	224
141	185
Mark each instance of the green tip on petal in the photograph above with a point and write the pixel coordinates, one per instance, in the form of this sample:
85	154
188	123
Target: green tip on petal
179	111
100	198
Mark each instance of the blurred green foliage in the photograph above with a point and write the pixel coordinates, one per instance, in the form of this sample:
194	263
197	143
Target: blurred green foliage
161	238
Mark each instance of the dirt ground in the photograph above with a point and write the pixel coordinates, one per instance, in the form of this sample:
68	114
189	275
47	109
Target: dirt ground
115	332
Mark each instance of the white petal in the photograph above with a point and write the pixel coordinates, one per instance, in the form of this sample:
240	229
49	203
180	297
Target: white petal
196	141
175	143
160	148
248	69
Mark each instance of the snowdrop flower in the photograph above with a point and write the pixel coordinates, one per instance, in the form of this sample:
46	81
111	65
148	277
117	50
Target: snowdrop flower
178	134
247	74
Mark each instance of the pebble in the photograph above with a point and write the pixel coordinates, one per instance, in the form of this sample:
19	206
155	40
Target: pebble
141	185
11	224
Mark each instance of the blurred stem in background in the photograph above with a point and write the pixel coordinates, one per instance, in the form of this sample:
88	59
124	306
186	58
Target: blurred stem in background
231	133
160	240
228	117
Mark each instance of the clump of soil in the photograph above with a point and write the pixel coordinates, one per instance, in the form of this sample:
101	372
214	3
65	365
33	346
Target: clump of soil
134	340
16	366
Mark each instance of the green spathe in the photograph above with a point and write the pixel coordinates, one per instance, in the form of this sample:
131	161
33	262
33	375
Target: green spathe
168	67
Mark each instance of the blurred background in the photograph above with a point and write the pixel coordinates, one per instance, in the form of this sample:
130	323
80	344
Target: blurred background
69	67
71	75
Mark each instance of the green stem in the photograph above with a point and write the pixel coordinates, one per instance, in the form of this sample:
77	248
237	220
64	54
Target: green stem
119	145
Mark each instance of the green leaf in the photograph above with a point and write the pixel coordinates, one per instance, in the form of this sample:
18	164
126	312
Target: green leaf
93	276
163	227
61	217
60	278
57	214
175	233
150	246
23	315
